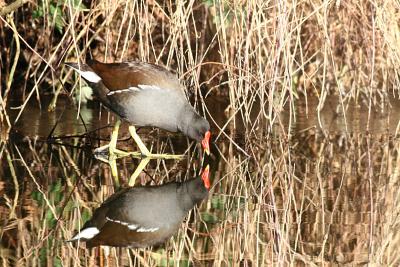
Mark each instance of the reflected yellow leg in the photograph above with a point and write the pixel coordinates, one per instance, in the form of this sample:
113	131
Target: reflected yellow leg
114	171
142	164
114	154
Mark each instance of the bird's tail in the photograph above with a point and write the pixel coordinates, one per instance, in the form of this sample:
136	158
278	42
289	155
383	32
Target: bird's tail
85	71
85	234
76	66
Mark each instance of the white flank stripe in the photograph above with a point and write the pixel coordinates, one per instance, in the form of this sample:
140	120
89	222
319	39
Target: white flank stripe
142	229
116	221
87	233
118	91
133	226
130	89
148	87
135	89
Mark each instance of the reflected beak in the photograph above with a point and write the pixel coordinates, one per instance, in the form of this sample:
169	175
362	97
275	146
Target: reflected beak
206	142
205	176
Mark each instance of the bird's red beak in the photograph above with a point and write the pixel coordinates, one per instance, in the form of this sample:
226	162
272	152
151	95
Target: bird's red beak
205	176
206	142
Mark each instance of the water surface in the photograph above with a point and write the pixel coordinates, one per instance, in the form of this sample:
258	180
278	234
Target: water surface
317	187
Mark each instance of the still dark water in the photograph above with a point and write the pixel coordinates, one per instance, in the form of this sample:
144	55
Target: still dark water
289	187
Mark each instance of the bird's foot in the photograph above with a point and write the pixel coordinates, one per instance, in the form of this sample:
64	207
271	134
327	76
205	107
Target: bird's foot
145	153
163	156
107	153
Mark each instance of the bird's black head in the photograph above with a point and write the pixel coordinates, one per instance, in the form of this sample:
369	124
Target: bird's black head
195	127
193	191
198	128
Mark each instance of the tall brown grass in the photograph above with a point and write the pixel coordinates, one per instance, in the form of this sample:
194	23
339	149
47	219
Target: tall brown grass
280	197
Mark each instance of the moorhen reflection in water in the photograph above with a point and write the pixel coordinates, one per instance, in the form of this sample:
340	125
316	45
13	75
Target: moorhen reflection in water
143	216
143	94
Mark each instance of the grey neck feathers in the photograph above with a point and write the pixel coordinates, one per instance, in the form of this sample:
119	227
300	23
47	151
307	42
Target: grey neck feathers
187	117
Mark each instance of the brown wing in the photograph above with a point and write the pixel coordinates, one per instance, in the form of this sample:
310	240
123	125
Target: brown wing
118	235
118	76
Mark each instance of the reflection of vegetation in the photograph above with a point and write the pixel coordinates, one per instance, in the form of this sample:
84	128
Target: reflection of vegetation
251	50
304	198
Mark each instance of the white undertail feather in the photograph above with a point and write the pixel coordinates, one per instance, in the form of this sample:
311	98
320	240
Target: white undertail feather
87	233
88	75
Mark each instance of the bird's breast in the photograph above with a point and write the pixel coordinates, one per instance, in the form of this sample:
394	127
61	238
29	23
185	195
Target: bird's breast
155	109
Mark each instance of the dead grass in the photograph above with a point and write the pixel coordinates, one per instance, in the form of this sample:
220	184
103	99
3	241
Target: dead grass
246	50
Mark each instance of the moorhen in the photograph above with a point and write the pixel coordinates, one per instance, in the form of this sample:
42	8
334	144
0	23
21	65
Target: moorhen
143	94
143	216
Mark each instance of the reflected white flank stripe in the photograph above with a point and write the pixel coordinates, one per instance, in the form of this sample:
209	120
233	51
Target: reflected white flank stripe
142	229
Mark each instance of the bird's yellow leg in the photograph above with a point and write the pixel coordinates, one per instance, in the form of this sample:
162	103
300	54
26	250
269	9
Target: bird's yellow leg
142	147
113	152
145	152
112	149
114	138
